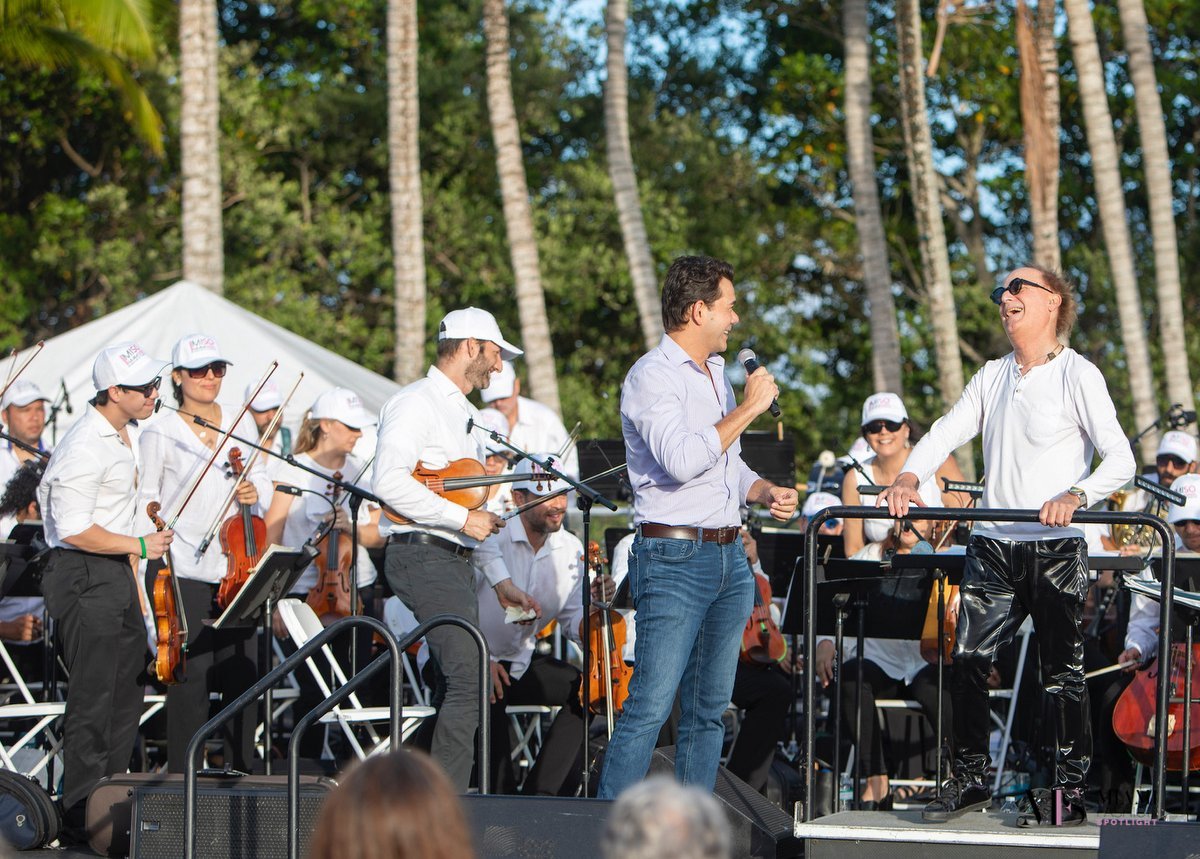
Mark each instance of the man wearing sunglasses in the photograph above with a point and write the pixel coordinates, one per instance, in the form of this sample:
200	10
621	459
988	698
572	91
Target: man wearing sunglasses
88	498
1043	411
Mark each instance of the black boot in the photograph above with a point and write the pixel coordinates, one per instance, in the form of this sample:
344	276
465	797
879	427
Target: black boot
1061	806
957	797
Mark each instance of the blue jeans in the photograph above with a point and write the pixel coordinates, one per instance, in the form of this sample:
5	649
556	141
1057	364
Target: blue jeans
692	601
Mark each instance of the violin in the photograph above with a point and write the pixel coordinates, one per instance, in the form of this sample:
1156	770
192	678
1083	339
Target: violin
1136	722
330	597
608	675
170	626
762	642
463	481
929	629
241	536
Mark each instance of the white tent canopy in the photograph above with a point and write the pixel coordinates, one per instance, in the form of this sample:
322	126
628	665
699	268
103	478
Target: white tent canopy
250	342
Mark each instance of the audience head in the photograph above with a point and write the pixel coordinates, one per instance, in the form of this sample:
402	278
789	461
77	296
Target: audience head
395	806
662	819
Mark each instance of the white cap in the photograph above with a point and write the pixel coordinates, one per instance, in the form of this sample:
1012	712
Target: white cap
501	385
477	323
196	350
818	501
125	364
883	406
496	422
342	404
1187	485
535	480
1178	443
268	398
22	393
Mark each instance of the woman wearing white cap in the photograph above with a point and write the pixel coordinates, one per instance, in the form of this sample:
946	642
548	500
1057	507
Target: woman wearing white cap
174	449
324	443
887	430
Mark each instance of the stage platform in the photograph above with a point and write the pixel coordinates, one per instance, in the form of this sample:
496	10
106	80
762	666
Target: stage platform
901	834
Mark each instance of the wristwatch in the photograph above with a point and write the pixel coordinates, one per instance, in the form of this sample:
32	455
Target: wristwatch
1080	494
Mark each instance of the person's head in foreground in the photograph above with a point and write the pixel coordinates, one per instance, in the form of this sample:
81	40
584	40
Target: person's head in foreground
660	818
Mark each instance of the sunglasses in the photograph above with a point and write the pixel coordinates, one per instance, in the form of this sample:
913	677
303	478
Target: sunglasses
875	427
145	390
217	368
1170	459
1014	287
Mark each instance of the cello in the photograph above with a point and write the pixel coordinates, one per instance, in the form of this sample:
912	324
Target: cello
170	625
330	597
608	675
242	535
1136	722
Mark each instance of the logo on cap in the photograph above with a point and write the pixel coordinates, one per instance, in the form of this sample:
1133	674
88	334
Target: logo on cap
131	355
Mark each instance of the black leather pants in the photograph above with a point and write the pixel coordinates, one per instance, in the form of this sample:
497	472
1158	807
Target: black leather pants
1003	583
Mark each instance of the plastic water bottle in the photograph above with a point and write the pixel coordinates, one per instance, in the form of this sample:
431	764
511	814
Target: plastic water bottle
1009	809
845	792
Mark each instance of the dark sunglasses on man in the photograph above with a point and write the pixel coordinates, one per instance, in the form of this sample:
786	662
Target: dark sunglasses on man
1165	459
217	368
1014	287
876	427
145	390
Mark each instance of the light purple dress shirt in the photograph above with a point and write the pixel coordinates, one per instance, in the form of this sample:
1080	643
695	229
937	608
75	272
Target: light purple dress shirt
669	411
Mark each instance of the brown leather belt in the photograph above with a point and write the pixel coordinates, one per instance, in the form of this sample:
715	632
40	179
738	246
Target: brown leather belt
680	532
422	539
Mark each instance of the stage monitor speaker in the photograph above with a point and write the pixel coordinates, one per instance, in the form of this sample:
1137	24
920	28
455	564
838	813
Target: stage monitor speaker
536	826
1123	835
773	459
236	818
760	828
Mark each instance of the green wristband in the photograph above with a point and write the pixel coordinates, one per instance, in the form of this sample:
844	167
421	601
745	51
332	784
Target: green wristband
142	543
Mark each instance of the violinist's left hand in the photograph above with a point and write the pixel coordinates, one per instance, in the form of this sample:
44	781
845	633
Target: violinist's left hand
603	588
341	521
246	493
510	595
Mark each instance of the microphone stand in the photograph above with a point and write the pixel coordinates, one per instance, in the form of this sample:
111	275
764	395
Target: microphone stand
1175	417
586	497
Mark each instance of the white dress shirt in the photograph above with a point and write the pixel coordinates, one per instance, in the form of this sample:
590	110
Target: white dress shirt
539	430
552	575
308	512
172	457
425	421
91	480
1040	431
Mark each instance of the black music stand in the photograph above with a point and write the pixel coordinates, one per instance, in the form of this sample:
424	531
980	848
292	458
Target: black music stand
270	579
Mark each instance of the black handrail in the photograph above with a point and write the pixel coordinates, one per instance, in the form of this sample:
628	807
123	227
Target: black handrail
290	663
963	514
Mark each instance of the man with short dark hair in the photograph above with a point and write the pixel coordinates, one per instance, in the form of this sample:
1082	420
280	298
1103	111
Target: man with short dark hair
1043	411
23	411
689	577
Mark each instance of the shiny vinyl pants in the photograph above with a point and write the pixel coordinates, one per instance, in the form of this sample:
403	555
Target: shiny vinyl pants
1004	582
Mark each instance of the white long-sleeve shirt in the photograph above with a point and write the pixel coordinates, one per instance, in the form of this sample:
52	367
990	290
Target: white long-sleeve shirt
552	575
425	421
172	456
1040	432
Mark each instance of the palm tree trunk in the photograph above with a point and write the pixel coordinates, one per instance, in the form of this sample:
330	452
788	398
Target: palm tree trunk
860	146
404	175
1110	200
624	182
935	258
1040	119
199	145
518	214
1160	194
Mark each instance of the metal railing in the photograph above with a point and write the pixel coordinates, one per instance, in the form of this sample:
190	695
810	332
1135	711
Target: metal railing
395	714
983	515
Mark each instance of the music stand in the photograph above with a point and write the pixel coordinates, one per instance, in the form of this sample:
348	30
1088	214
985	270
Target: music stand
24	565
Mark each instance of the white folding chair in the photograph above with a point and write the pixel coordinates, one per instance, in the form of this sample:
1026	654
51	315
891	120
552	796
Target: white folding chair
302	624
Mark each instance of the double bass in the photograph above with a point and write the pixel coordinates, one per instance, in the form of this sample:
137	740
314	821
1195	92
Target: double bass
242	536
330	597
608	675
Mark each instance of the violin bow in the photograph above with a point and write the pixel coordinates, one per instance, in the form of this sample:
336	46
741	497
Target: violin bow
15	372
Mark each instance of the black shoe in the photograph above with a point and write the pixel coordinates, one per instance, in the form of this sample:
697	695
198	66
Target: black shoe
1056	807
884	804
955	798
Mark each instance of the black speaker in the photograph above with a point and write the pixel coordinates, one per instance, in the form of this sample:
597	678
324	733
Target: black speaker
536	826
759	828
1124	835
236	818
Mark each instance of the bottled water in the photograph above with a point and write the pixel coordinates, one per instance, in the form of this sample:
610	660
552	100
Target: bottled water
845	792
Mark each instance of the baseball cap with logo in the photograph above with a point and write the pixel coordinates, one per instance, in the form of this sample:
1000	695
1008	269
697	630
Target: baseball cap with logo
1187	485
22	393
1178	443
883	406
269	397
125	364
342	404
196	350
818	501
477	323
534	479
502	385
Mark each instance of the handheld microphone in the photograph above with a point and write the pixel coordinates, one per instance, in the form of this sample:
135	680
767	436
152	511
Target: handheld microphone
749	360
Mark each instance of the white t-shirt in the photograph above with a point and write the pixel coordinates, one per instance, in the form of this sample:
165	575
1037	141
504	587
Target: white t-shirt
875	530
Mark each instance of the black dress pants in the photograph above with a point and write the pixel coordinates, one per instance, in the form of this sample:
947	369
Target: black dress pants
104	646
1004	582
